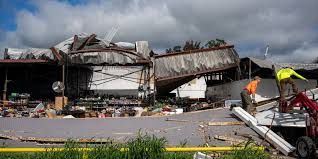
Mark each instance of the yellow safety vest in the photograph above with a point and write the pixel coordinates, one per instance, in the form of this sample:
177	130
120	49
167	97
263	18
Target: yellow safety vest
286	73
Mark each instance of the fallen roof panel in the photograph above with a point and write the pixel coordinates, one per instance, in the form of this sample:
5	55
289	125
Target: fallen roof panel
195	62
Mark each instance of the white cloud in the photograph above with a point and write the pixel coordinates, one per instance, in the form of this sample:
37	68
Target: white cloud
284	25
304	55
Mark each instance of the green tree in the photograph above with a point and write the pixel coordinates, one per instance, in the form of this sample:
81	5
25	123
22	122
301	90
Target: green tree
215	43
191	45
169	50
177	48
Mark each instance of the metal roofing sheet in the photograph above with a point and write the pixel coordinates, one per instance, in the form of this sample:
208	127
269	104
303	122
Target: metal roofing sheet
185	64
29	53
296	66
109	57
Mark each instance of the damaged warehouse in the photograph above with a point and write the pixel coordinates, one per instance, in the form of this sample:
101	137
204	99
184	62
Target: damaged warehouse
100	79
97	73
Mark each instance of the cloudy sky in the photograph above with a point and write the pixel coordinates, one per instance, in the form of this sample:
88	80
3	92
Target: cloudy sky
289	27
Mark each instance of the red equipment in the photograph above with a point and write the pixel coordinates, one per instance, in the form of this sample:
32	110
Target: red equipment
302	101
305	145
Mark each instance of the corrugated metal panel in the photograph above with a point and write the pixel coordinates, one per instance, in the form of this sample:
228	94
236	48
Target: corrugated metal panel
181	65
296	66
65	45
109	57
29	53
300	66
262	63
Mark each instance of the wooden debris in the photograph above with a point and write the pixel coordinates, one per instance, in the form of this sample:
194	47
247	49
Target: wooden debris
226	123
177	120
57	140
253	138
232	141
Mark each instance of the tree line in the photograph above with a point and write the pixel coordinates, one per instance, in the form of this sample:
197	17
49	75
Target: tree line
193	45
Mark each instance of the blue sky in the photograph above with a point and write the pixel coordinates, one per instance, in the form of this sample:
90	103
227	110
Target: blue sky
289	27
9	8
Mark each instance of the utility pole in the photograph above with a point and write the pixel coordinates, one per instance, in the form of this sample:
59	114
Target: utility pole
5	87
63	81
154	80
250	70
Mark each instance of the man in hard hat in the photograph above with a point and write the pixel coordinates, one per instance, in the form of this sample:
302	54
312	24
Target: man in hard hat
250	89
284	78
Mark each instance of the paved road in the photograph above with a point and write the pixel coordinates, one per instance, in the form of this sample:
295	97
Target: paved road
193	131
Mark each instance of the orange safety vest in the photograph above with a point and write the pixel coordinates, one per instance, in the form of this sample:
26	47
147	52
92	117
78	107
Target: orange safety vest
251	87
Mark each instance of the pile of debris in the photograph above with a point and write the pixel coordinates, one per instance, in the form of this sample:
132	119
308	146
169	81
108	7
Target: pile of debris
87	108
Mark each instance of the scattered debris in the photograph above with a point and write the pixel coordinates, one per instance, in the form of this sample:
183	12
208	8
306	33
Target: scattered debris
200	155
69	117
177	120
226	123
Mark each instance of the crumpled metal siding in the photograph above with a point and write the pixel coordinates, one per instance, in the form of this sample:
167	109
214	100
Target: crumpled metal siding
29	53
142	47
97	58
65	45
187	64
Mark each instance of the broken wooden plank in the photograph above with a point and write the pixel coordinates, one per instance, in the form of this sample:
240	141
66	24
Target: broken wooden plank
232	141
225	123
177	120
253	138
282	145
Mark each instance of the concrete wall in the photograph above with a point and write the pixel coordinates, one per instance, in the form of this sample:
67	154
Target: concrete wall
102	82
267	88
193	89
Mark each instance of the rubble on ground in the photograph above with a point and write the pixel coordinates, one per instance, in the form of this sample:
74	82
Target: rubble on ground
97	107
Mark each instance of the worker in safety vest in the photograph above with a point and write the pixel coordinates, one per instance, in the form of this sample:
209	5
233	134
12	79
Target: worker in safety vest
284	78
250	89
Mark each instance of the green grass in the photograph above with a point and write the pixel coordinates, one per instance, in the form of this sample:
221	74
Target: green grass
141	147
247	153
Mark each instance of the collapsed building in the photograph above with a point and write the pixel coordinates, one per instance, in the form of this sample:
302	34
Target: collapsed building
92	67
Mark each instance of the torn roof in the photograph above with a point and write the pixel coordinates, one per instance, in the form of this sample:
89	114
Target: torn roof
89	50
268	64
29	53
174	69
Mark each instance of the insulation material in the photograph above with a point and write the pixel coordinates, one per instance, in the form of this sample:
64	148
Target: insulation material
29	53
187	64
